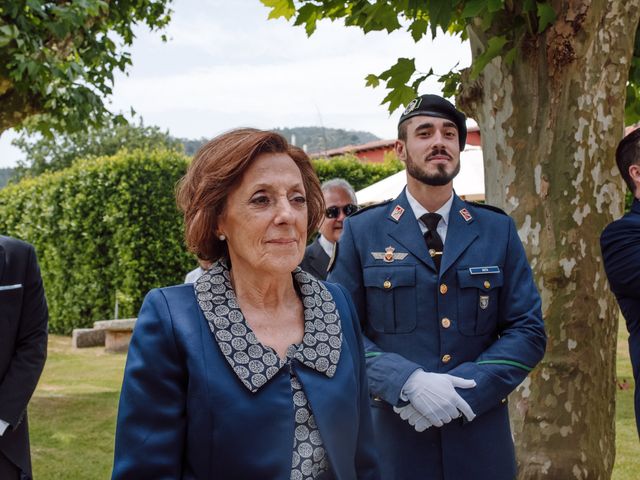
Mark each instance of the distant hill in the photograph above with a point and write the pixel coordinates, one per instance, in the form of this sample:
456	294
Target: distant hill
319	139
5	175
314	139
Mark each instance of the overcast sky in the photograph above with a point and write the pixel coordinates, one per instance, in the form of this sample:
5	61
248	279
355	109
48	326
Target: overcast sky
225	65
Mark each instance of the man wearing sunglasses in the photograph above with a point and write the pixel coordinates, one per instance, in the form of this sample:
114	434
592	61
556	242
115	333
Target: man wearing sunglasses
450	313
340	201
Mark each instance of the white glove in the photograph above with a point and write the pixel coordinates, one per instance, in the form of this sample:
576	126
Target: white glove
435	397
414	417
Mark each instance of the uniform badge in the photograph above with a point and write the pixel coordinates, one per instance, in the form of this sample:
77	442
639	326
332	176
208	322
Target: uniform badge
484	301
389	255
413	104
397	213
466	215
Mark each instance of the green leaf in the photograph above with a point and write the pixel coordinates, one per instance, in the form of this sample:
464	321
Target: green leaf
440	15
546	16
473	8
308	16
510	56
495	5
418	28
450	83
280	8
398	96
494	48
400	72
418	81
372	80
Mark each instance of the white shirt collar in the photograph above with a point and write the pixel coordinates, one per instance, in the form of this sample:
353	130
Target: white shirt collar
419	210
326	245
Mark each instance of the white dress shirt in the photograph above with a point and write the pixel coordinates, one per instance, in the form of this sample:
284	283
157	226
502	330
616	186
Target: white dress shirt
444	210
326	245
3	427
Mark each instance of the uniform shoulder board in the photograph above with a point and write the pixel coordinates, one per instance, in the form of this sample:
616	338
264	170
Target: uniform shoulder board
370	206
488	207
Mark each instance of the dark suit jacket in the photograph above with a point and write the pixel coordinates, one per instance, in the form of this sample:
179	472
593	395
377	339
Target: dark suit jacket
185	414
620	243
23	344
315	260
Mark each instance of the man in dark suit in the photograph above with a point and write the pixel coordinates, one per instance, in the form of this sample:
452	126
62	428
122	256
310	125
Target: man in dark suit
620	244
340	201
450	311
23	350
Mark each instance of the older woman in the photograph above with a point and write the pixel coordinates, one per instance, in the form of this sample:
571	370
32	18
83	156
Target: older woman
256	371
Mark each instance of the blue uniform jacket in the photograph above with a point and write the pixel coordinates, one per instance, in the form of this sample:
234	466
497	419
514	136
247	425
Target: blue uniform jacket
184	413
620	243
470	321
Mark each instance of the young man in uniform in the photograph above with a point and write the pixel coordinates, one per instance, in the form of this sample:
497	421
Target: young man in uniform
449	309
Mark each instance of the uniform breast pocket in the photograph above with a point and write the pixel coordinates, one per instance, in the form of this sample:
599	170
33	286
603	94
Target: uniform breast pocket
391	298
478	298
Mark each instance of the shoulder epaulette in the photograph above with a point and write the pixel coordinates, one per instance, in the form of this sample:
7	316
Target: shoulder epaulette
369	207
488	207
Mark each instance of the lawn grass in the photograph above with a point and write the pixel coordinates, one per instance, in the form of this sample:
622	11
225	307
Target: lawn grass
73	412
627	466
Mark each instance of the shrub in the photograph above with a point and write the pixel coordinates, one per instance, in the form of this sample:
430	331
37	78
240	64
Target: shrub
104	229
359	174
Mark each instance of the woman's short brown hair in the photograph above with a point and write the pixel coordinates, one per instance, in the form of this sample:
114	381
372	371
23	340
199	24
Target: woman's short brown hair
216	169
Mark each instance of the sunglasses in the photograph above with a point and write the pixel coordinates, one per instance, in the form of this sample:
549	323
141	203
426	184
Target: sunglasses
334	212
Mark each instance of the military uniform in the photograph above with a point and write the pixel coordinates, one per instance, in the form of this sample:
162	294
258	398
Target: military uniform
620	243
477	318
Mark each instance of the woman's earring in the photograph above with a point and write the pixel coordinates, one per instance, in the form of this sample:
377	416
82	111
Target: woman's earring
222	238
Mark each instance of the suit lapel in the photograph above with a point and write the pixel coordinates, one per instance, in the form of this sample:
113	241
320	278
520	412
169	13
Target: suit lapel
406	231
319	258
461	232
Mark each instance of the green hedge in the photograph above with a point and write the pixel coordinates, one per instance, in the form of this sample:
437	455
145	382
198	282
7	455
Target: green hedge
109	228
357	173
102	228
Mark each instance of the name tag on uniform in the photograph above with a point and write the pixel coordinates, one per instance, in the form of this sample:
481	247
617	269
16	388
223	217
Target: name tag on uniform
483	270
10	287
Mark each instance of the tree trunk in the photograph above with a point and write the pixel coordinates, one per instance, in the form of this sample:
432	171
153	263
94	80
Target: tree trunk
550	123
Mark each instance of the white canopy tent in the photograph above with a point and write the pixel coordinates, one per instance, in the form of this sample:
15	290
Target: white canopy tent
469	183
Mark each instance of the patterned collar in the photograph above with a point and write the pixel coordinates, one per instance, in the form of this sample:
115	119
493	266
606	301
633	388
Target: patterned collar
253	363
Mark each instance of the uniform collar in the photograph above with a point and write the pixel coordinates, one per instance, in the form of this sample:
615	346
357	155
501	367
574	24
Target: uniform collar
635	206
419	210
253	363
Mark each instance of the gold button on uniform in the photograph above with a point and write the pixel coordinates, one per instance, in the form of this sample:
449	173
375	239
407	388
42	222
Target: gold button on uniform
446	358
446	323
386	284
443	289
487	284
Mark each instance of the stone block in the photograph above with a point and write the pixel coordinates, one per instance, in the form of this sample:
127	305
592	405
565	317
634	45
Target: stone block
117	341
87	337
125	324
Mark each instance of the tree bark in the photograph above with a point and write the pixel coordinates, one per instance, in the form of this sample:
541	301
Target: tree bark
550	123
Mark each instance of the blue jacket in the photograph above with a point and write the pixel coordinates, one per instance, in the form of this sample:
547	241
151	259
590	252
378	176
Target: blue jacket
620	243
473	322
185	414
